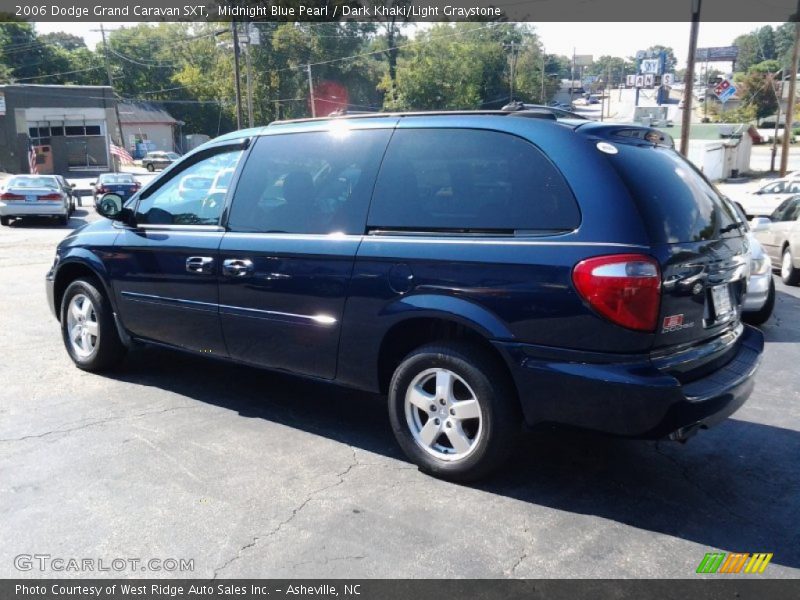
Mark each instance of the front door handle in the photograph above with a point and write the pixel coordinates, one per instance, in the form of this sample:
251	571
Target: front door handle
200	264
237	267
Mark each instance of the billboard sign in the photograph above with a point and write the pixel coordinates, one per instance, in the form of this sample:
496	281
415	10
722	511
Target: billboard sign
719	53
583	60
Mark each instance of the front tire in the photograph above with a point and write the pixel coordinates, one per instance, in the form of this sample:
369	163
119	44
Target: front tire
453	411
87	327
789	274
762	315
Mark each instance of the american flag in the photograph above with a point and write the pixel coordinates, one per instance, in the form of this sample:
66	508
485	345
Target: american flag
124	156
33	168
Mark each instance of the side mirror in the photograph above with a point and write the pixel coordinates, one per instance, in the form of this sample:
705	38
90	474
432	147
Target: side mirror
760	224
110	207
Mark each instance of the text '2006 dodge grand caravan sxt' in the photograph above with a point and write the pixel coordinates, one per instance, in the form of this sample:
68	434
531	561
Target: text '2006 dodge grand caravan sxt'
483	270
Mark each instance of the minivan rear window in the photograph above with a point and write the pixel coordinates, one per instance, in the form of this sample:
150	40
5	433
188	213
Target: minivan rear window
676	201
469	180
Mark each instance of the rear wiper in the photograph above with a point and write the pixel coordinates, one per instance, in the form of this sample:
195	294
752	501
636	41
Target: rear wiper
737	225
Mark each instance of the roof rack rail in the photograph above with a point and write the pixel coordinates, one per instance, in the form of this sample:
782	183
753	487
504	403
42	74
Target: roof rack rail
528	112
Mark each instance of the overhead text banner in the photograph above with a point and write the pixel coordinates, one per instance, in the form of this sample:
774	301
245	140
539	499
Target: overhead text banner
633	11
403	589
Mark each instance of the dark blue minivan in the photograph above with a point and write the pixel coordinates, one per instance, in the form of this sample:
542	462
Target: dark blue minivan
485	271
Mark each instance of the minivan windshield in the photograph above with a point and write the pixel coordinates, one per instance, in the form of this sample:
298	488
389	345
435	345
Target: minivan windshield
676	201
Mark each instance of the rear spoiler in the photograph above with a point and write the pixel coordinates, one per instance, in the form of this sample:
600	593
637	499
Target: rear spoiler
628	133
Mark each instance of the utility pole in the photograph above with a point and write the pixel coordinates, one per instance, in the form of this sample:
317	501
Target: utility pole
543	100
788	119
236	74
686	118
777	122
311	91
514	47
249	80
116	104
572	80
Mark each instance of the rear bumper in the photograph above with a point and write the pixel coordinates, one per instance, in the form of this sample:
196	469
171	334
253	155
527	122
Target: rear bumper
757	292
631	396
31	209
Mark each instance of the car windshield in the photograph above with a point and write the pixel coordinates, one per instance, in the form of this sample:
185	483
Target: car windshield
116	179
33	182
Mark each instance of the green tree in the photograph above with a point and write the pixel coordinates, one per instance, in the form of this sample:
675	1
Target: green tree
467	65
758	87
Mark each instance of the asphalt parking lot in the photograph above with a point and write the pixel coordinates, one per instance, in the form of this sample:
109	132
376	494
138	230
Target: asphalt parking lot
253	474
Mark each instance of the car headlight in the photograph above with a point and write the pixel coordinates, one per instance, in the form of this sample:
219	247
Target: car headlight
759	266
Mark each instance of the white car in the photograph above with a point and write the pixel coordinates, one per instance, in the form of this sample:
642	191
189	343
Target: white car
34	196
763	201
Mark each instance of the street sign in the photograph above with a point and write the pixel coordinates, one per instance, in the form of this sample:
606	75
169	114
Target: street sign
650	65
724	90
667	79
649	79
630	80
640	81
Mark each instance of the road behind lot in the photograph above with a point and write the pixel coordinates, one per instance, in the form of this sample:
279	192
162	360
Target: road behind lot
257	474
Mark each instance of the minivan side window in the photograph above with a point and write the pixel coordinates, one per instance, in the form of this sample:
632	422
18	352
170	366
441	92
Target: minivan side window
189	197
469	180
313	182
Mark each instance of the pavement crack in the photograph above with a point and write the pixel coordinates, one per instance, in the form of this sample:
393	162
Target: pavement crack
520	559
95	423
341	475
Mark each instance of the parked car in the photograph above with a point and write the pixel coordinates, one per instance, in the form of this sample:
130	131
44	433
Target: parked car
763	201
482	270
122	184
779	234
759	300
159	160
36	196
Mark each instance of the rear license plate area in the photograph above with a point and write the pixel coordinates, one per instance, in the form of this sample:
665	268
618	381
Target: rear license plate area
721	302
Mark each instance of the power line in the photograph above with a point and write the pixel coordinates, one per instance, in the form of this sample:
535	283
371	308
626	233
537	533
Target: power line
57	74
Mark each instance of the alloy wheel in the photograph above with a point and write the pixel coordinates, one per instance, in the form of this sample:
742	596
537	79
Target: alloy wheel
443	414
82	326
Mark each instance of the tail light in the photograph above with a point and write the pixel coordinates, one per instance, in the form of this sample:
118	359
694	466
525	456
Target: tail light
624	288
101	190
10	196
134	189
50	197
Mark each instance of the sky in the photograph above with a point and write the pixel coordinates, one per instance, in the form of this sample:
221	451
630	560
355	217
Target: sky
597	39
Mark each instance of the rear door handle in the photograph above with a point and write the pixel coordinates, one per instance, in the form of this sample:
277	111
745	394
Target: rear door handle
200	264
237	267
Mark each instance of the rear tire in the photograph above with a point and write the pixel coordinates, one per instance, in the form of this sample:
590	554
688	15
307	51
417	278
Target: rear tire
87	327
789	274
64	219
5	221
454	411
761	316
